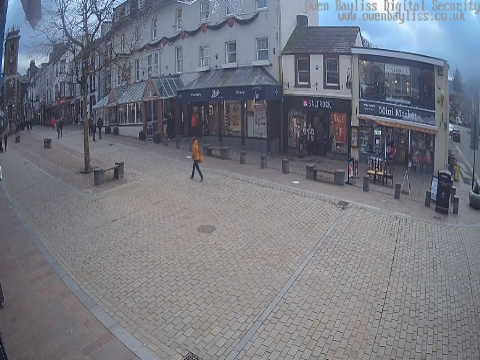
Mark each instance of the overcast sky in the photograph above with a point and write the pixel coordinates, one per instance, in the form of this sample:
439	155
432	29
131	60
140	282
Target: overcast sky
454	41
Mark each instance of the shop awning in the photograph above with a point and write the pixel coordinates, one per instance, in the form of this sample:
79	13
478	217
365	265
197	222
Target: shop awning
102	103
401	125
133	94
243	83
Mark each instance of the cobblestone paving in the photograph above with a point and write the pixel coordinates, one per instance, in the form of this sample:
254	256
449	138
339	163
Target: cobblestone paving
370	283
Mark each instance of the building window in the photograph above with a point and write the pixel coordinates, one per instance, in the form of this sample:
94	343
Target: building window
127	9
204	55
178	59
229	10
204	11
231	52
123	42
154	28
398	83
178	19
137	70
262	49
372	80
149	67
338	133
261	4
331	72
119	75
141	4
156	64
303	71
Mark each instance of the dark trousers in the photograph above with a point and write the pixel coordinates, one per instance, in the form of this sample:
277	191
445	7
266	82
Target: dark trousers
58	133
93	134
61	130
100	132
195	166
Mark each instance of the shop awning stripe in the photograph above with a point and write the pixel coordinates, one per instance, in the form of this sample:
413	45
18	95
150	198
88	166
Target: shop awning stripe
395	124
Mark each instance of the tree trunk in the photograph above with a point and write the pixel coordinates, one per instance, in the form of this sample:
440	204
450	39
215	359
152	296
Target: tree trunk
86	148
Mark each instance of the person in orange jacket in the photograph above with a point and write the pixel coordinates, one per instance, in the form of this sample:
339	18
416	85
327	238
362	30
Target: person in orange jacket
196	156
193	123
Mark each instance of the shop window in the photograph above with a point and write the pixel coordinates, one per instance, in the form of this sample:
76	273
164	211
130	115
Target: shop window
204	11
302	65
338	133
331	72
366	137
204	55
297	127
372	80
262	48
232	118
423	88
398	83
256	119
178	19
423	149
210	124
231	52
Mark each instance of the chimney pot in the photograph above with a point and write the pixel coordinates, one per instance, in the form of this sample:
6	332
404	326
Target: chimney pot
302	20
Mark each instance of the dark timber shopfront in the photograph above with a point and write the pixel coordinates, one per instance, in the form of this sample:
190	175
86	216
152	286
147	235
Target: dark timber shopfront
239	107
329	118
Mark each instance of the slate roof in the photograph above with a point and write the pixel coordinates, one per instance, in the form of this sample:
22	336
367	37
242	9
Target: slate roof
322	39
118	91
102	103
242	76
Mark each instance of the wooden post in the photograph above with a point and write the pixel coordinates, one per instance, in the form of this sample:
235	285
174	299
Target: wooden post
160	117
144	116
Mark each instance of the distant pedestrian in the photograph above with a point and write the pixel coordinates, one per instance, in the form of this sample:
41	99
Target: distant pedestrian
2	299
53	122
100	125
61	127
5	139
197	158
94	130
90	123
58	130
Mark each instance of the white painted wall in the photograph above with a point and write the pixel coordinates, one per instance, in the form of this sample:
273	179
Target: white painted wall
289	9
316	76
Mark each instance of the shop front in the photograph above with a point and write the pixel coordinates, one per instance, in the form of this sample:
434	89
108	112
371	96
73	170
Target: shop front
241	113
400	107
328	117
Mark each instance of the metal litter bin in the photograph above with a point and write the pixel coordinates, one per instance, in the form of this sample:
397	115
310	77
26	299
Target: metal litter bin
442	202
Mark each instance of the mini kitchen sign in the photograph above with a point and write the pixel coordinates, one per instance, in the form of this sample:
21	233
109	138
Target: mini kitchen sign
317	104
391	111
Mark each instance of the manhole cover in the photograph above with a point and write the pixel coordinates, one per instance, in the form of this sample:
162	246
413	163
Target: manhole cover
206	229
343	204
191	356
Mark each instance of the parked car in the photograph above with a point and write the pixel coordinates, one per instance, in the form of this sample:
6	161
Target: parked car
450	129
455	135
458	121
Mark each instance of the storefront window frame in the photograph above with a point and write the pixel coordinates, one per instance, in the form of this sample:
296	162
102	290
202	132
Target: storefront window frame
299	83
327	71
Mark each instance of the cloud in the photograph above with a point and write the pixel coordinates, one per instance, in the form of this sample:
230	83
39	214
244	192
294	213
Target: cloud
454	41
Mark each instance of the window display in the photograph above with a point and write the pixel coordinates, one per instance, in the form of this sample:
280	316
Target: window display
297	127
423	146
256	119
233	118
211	124
366	138
338	133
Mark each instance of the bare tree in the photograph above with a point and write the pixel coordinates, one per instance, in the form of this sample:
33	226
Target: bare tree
76	25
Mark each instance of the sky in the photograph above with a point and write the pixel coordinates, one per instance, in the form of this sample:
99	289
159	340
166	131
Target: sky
453	40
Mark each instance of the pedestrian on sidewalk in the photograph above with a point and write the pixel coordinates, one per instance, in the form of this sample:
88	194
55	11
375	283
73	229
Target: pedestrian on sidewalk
197	158
100	125
94	130
193	123
5	139
61	127
53	122
58	130
90	122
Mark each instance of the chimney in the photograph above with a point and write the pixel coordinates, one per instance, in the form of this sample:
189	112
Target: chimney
302	20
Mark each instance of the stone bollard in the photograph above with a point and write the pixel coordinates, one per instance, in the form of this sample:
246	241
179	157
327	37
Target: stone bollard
311	171
177	144
366	183
263	161
285	166
456	202
119	171
98	176
243	157
453	192
165	141
339	177
428	198
398	188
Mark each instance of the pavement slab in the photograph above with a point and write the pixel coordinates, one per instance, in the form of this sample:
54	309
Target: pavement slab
243	265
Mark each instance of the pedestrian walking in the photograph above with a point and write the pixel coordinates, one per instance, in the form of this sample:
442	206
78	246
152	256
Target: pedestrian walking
5	139
58	130
100	125
53	122
94	130
90	123
197	158
61	127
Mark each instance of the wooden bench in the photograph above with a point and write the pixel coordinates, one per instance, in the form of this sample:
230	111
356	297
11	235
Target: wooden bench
118	173
221	152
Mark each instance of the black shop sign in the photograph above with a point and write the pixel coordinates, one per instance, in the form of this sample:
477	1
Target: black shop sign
398	112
